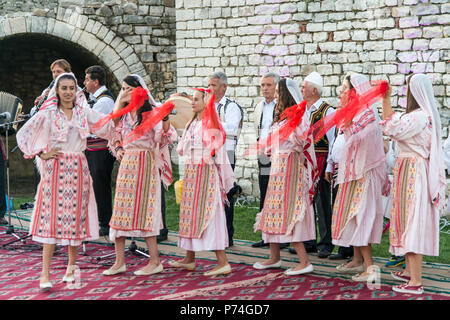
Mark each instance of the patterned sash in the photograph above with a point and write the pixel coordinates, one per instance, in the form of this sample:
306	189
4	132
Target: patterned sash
345	208
403	198
135	198
63	198
197	200
285	200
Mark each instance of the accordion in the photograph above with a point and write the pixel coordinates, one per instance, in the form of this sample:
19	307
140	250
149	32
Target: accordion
11	104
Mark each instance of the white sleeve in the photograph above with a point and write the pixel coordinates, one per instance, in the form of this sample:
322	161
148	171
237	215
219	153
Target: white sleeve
104	105
232	119
330	134
446	152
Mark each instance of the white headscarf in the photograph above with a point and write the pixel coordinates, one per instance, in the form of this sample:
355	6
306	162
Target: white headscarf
294	90
144	85
362	84
60	131
80	98
422	90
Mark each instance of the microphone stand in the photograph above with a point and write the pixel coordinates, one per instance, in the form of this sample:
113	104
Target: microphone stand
10	228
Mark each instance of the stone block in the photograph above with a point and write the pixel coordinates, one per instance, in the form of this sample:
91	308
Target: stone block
402	45
440	43
409	22
432	32
409	56
341	35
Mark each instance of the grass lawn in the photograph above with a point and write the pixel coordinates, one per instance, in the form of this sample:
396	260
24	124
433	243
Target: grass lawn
244	219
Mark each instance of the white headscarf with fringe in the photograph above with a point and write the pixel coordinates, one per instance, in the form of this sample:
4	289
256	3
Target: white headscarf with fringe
422	90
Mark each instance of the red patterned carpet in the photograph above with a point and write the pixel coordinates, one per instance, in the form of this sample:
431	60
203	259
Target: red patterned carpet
20	266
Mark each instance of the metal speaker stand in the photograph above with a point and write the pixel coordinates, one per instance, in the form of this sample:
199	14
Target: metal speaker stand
131	248
10	228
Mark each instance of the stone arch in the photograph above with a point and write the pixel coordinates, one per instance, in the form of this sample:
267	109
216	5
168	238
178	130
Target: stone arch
71	27
68	30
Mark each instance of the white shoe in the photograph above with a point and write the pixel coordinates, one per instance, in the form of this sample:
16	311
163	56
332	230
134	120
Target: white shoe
111	272
224	270
261	266
46	286
68	278
342	268
177	264
291	272
157	269
369	277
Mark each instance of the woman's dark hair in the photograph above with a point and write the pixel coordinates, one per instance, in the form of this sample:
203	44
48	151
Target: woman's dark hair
285	100
68	77
350	85
411	102
134	82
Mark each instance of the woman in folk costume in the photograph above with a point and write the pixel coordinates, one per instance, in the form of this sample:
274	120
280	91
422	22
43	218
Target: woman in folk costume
65	207
144	162
288	215
208	177
418	192
358	212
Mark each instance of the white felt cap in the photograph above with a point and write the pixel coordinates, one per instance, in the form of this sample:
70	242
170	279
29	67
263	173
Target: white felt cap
316	78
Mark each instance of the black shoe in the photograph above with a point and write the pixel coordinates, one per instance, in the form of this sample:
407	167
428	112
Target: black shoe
292	250
323	254
3	221
230	243
284	245
161	237
259	244
310	249
103	231
338	256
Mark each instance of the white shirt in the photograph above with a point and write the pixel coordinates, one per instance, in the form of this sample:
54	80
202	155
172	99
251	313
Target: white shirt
103	105
266	118
230	121
336	149
330	133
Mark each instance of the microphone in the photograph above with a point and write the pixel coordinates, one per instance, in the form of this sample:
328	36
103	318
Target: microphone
5	115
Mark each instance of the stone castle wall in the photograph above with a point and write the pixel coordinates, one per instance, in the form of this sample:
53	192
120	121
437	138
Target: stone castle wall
247	38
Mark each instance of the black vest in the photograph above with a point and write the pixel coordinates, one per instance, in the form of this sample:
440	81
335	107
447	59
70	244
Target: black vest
322	145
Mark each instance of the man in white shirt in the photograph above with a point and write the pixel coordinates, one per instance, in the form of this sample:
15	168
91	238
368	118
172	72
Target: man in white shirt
263	118
100	160
231	116
317	109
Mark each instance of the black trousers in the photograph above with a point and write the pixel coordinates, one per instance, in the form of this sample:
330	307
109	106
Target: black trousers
263	178
324	244
229	209
323	213
164	231
101	164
